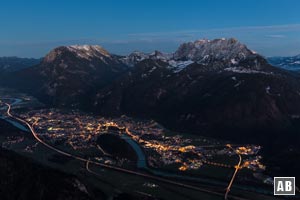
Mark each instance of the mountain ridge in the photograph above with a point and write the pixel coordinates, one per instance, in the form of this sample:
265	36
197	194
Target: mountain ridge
90	77
13	63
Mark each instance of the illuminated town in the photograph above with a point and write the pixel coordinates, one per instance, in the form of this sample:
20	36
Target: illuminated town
79	132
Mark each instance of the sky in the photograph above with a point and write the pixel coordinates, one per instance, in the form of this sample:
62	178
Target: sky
32	28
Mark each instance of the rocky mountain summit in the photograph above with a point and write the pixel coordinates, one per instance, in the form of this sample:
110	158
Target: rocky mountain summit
221	53
221	49
87	52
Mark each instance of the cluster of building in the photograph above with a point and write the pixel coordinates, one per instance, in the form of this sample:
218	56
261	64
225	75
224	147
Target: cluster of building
254	163
248	150
72	128
81	131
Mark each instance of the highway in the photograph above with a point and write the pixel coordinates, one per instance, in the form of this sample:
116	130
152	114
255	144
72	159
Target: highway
144	175
237	167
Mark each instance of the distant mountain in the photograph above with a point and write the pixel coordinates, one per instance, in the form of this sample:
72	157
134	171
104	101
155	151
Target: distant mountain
136	57
68	75
12	64
289	63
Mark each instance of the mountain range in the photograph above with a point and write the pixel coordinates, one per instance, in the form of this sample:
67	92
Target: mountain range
217	88
12	64
204	86
289	63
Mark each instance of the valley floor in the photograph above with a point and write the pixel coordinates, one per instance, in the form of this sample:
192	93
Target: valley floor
139	157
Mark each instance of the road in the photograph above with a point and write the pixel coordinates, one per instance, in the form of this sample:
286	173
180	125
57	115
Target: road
102	151
237	167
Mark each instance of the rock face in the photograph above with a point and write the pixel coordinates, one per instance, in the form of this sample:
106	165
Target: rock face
221	49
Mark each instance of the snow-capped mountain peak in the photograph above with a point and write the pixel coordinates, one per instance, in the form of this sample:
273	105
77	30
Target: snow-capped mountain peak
88	51
226	51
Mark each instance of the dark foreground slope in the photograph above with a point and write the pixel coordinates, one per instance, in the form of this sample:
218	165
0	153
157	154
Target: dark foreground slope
21	178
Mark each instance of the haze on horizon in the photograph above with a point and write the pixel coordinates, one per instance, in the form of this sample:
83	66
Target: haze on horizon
32	28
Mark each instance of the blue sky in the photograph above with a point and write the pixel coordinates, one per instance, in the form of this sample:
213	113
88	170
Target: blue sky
31	28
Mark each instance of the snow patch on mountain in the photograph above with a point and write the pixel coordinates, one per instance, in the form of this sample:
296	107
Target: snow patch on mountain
233	61
268	88
177	66
243	70
89	51
136	57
